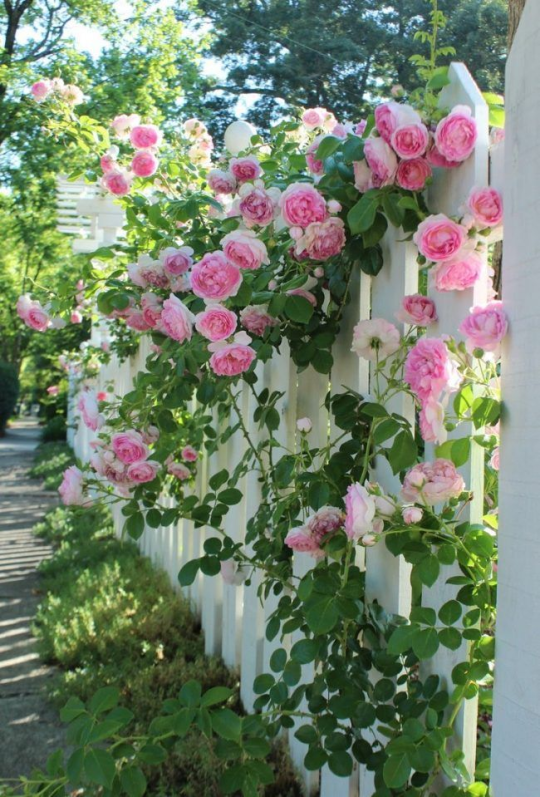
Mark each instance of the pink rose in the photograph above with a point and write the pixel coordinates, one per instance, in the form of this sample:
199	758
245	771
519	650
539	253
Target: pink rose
432	483
53	390
231	359
179	471
129	446
189	454
72	94
434	158
117	182
142	472
176	320
136	320
431	419
411	514
315	166
214	278
145	136
382	161
76	317
221	182
391	115
363	178
176	261
429	369
439	238
108	162
256	318
410	140
456	134
360	511
71	489
360	127
216	322
144	163
418	310
245	169
243	249
257	207
413	174
485	327
325	521
314	117
323	240
304	294
485	204
459	273
495	460
32	313
375	339
123	123
151	309
41	89
88	407
301	540
301	204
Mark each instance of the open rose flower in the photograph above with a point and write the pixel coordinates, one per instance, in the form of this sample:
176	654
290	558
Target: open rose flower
410	140
179	471
436	159
117	181
216	322
391	115
215	278
314	165
243	249
359	511
301	540
176	319
382	161
72	488
257	206
418	310
485	327
151	306
231	359
301	204
375	339
145	136
439	238
456	134
32	313
189	454
432	483
412	175
129	446
458	273
176	261
322	240
432	426
429	369
245	169
41	89
142	472
89	409
144	163
256	318
124	123
486	207
314	117
221	182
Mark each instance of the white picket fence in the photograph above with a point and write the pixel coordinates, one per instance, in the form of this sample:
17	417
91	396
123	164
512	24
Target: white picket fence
232	618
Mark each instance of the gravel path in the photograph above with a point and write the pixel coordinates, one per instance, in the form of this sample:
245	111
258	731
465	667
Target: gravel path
29	727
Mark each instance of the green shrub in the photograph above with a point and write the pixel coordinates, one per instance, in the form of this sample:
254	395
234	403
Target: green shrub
55	429
9	393
50	462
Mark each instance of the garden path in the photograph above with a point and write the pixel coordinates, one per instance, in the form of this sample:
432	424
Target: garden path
29	727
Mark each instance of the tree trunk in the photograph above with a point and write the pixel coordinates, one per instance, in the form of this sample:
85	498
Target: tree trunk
515	10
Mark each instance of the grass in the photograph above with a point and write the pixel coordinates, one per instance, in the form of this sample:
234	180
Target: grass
109	618
50	462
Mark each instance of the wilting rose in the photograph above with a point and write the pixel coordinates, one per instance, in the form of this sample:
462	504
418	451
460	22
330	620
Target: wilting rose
382	161
71	489
432	426
179	471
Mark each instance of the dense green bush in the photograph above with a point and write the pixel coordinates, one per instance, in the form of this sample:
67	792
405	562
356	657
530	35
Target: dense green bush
50	462
9	393
109	618
55	429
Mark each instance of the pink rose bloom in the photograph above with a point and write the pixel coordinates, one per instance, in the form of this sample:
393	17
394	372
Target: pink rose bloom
189	454
412	514
314	117
495	460
360	127
176	261
410	140
108	162
413	174
363	177
117	182
304	425
417	310
150	434
151	309
231	359
325	521
136	320
123	123
456	134
485	327
431	419
429	369
32	313
485	205
147	271
145	136
215	278
53	390
216	322
245	169
176	320
221	182
76	317
231	573
194	127
304	294
71	489
459	273
129	446
301	204
256	319
243	249
432	483
144	163
382	161
315	166
179	471
142	472
391	115
41	89
102	396
323	240
375	339
434	158
72	94
257	207
88	407
359	511
439	238
302	541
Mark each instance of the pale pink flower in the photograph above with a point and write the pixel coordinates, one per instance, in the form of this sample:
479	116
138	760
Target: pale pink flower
324	521
429	369
413	174
72	94
144	163
136	320
417	310
314	165
432	482
382	161
41	89
410	140
360	127
71	489
301	204
145	136
412	514
495	460
215	278
221	182
129	446
439	238
322	240
216	322
391	115
232	574
456	134
176	319
304	425
245	169
314	117
108	161
124	123
53	390
304	294
179	471
142	472
486	206
363	178
459	273
231	359
88	407
485	327
151	309
375	339
258	207
32	313
436	159
431	418
176	261
360	511
117	181
243	249
256	318
150	434
194	127
189	454
301	540
76	317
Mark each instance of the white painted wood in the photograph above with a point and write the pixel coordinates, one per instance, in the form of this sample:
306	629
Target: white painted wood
516	721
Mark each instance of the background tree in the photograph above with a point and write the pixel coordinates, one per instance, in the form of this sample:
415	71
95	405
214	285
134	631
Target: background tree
515	10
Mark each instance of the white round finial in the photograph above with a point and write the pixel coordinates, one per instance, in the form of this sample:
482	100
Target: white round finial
238	136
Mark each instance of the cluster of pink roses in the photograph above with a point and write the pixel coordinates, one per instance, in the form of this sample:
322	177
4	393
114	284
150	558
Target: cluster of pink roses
145	139
44	89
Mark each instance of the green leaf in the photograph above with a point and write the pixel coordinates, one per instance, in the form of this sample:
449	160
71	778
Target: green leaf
322	615
315	759
496	117
393	210
99	767
218	479
73	709
181	721
428	570
227	724
425	643
362	215
328	145
104	699
190	694
74	766
263	683
256	747
450	612
135	525
402	639
215	695
396	771
341	763
188	573
304	651
439	79
278	659
403	453
298	309
450	638
133	781
230	496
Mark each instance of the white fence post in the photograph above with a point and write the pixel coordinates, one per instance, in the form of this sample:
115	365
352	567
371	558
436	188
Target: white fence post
516	722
